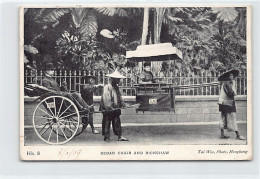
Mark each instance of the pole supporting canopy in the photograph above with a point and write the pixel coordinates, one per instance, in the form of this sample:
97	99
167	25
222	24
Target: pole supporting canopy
154	52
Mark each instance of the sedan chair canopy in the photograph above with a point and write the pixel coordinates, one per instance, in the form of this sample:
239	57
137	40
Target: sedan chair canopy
154	52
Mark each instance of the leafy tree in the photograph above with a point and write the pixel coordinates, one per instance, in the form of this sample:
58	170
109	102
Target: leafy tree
210	38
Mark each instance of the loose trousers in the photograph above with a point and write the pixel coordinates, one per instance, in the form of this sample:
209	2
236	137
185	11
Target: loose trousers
114	117
228	121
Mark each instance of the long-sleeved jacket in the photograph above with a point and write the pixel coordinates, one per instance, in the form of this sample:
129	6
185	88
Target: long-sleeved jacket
227	94
146	76
51	84
87	93
111	98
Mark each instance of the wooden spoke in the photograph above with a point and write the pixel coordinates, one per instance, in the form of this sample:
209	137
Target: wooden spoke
49	108
65	124
42	124
68	115
73	122
45	112
50	135
63	133
68	128
47	129
65	110
69	120
43	127
42	117
55	112
72	119
60	107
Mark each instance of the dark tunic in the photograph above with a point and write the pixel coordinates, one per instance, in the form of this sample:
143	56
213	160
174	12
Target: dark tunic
227	87
87	93
50	83
111	97
146	76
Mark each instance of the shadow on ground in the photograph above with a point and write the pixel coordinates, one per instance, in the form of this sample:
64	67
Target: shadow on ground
152	135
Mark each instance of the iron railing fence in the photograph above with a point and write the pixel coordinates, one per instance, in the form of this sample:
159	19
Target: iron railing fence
75	78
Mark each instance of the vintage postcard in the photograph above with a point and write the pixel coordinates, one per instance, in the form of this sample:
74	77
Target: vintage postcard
135	83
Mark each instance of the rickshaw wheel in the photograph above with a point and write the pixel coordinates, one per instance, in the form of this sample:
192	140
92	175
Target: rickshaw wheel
56	120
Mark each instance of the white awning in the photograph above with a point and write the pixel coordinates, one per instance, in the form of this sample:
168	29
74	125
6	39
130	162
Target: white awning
155	52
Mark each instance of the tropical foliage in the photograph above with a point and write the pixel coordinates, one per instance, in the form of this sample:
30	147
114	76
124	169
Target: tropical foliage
210	38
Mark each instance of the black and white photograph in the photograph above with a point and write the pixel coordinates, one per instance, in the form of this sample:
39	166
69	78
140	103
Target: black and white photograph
135	83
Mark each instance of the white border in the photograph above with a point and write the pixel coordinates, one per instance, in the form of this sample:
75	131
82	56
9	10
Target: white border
11	167
176	152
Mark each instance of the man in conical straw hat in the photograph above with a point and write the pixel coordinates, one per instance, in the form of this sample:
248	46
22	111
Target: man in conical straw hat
227	105
110	105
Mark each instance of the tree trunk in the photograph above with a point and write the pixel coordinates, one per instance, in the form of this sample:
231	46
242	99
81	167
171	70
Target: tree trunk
145	26
144	33
158	18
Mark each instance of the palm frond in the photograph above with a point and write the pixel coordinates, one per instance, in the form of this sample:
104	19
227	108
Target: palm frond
89	26
78	15
30	49
121	12
52	15
25	60
226	14
112	11
172	19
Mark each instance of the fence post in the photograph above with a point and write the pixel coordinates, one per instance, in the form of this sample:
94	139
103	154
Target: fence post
98	77
75	80
202	90
84	74
36	79
219	86
55	75
70	79
193	90
65	75
213	77
131	82
103	76
31	75
41	76
180	82
79	85
60	77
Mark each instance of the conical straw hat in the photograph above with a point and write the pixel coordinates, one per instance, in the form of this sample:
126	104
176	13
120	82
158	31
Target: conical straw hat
115	74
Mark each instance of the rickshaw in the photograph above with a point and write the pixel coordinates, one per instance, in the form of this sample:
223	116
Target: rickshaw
159	96
56	119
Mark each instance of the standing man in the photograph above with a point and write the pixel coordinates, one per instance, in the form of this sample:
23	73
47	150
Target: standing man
227	105
87	94
110	105
54	87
